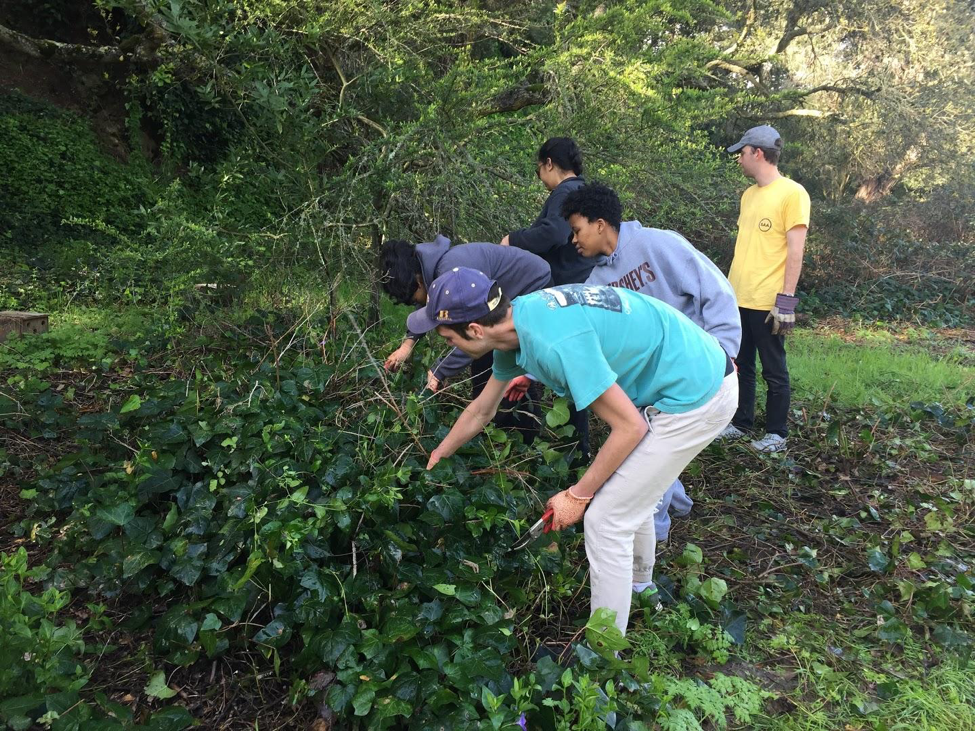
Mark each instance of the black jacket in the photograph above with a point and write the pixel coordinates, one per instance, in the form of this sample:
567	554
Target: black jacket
551	238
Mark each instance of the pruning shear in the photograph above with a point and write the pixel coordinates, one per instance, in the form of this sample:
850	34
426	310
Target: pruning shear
542	525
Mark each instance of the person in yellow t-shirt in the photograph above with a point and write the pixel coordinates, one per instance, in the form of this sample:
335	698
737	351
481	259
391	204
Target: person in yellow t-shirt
772	228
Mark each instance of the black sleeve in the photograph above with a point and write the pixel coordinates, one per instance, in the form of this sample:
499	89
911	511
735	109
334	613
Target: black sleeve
549	232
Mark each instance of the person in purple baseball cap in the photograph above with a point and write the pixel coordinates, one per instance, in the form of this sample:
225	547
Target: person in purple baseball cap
664	387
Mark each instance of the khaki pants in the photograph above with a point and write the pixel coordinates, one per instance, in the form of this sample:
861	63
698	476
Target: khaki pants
620	538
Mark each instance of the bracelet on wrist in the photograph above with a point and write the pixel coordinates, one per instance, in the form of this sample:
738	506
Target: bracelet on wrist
577	497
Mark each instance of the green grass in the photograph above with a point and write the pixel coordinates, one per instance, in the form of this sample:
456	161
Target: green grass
875	371
874	689
77	336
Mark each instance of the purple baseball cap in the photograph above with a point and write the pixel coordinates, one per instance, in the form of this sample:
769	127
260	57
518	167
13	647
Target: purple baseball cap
458	296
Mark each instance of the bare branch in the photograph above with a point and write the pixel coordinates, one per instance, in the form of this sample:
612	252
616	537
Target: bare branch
525	94
835	89
736	69
797	113
55	50
793	33
745	30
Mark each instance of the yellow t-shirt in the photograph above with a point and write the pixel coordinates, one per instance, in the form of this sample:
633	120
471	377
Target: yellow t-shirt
767	212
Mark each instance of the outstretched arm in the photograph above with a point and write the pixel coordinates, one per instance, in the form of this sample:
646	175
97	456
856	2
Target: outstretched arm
472	421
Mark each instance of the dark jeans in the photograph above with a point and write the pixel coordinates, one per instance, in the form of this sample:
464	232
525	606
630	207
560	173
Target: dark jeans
524	416
756	335
580	420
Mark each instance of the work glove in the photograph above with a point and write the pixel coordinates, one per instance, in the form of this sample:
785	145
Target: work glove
567	508
783	314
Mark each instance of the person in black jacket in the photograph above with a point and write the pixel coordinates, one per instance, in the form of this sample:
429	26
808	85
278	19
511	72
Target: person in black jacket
559	167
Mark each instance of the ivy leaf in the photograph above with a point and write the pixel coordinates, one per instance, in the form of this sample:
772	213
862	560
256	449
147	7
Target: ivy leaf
469	595
389	706
157	688
448	505
915	562
692	556
603	635
119	514
362	702
372	644
274	634
338	696
558	414
893	630
399	628
17	711
877	560
713	590
949	637
734	624
133	564
131	404
174	718
431	611
549	673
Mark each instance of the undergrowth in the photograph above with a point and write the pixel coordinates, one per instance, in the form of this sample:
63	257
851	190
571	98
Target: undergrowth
249	489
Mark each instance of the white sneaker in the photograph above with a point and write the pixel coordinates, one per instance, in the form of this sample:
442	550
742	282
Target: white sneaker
731	432
769	443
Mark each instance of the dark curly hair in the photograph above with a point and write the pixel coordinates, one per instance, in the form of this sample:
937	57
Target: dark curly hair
398	269
594	201
563	152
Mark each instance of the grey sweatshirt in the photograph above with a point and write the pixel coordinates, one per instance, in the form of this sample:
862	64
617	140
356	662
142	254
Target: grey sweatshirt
550	237
664	265
517	272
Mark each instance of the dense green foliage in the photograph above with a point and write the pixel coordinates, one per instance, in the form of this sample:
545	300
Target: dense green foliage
226	479
253	496
268	135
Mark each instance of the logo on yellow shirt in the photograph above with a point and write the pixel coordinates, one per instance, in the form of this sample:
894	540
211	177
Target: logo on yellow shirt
764	225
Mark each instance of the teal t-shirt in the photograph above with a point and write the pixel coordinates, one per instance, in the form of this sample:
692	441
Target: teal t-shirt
580	339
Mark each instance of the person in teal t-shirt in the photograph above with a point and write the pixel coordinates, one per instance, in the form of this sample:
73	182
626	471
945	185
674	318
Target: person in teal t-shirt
663	386
579	340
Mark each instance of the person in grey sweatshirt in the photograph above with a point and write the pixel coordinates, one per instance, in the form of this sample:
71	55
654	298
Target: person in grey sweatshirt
406	271
663	265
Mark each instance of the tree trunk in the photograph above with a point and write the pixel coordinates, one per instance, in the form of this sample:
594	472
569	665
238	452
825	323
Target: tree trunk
877	187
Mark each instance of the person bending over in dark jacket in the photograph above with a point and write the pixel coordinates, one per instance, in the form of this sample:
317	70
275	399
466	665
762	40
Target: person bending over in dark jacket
559	167
406	272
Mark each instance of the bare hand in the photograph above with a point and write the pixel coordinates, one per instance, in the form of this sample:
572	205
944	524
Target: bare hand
504	241
435	456
517	388
433	383
399	356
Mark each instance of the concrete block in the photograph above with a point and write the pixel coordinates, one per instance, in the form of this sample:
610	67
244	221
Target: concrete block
25	323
